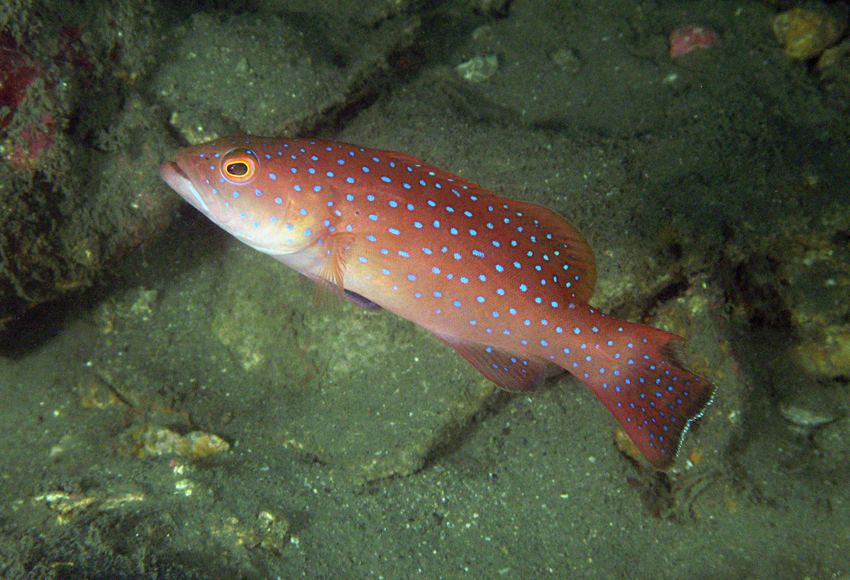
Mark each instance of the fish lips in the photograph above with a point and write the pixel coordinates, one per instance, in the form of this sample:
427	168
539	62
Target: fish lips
181	183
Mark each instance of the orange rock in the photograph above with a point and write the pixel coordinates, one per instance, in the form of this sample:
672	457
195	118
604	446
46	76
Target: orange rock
806	33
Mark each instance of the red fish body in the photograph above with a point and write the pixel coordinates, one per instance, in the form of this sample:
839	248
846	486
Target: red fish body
504	282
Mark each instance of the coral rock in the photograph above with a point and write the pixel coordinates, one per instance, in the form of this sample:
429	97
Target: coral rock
806	33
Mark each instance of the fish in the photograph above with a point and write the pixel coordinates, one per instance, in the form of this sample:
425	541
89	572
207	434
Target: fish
505	283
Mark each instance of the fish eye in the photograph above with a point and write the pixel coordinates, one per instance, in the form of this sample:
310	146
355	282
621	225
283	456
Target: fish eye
240	166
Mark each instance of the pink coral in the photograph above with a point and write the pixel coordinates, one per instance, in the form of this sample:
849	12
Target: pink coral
17	71
690	37
33	141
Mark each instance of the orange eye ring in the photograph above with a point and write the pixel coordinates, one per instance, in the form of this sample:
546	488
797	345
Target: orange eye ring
240	166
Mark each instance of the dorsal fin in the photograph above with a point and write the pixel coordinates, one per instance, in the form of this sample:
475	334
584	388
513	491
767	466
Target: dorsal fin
568	251
437	172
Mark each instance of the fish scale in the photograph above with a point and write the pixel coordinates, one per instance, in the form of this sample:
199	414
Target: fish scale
504	282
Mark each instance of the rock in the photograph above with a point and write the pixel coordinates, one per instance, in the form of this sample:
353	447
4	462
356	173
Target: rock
284	81
805	33
568	59
834	441
479	68
810	408
689	37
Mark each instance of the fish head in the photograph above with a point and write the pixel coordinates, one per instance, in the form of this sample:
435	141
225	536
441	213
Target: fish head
237	185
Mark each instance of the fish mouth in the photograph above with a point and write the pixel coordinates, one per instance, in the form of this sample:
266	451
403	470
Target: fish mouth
180	182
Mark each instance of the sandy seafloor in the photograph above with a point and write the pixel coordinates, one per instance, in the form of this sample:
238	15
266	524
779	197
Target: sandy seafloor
199	414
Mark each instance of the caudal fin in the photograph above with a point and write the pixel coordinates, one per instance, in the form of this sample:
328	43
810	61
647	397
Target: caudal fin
634	371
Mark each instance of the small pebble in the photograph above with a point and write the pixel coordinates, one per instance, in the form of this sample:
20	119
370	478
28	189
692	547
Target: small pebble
479	68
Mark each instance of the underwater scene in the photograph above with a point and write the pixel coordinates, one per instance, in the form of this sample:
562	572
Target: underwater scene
341	289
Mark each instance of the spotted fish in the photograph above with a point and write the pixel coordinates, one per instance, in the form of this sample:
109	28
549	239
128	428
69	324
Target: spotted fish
504	282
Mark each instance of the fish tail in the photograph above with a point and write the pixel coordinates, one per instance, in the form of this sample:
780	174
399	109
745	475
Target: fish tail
636	372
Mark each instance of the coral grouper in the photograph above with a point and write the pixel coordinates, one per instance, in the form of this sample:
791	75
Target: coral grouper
503	282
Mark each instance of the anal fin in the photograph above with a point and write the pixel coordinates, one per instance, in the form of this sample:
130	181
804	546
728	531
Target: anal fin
510	371
360	301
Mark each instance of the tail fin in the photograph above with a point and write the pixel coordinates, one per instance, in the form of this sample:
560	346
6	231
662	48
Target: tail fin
635	372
